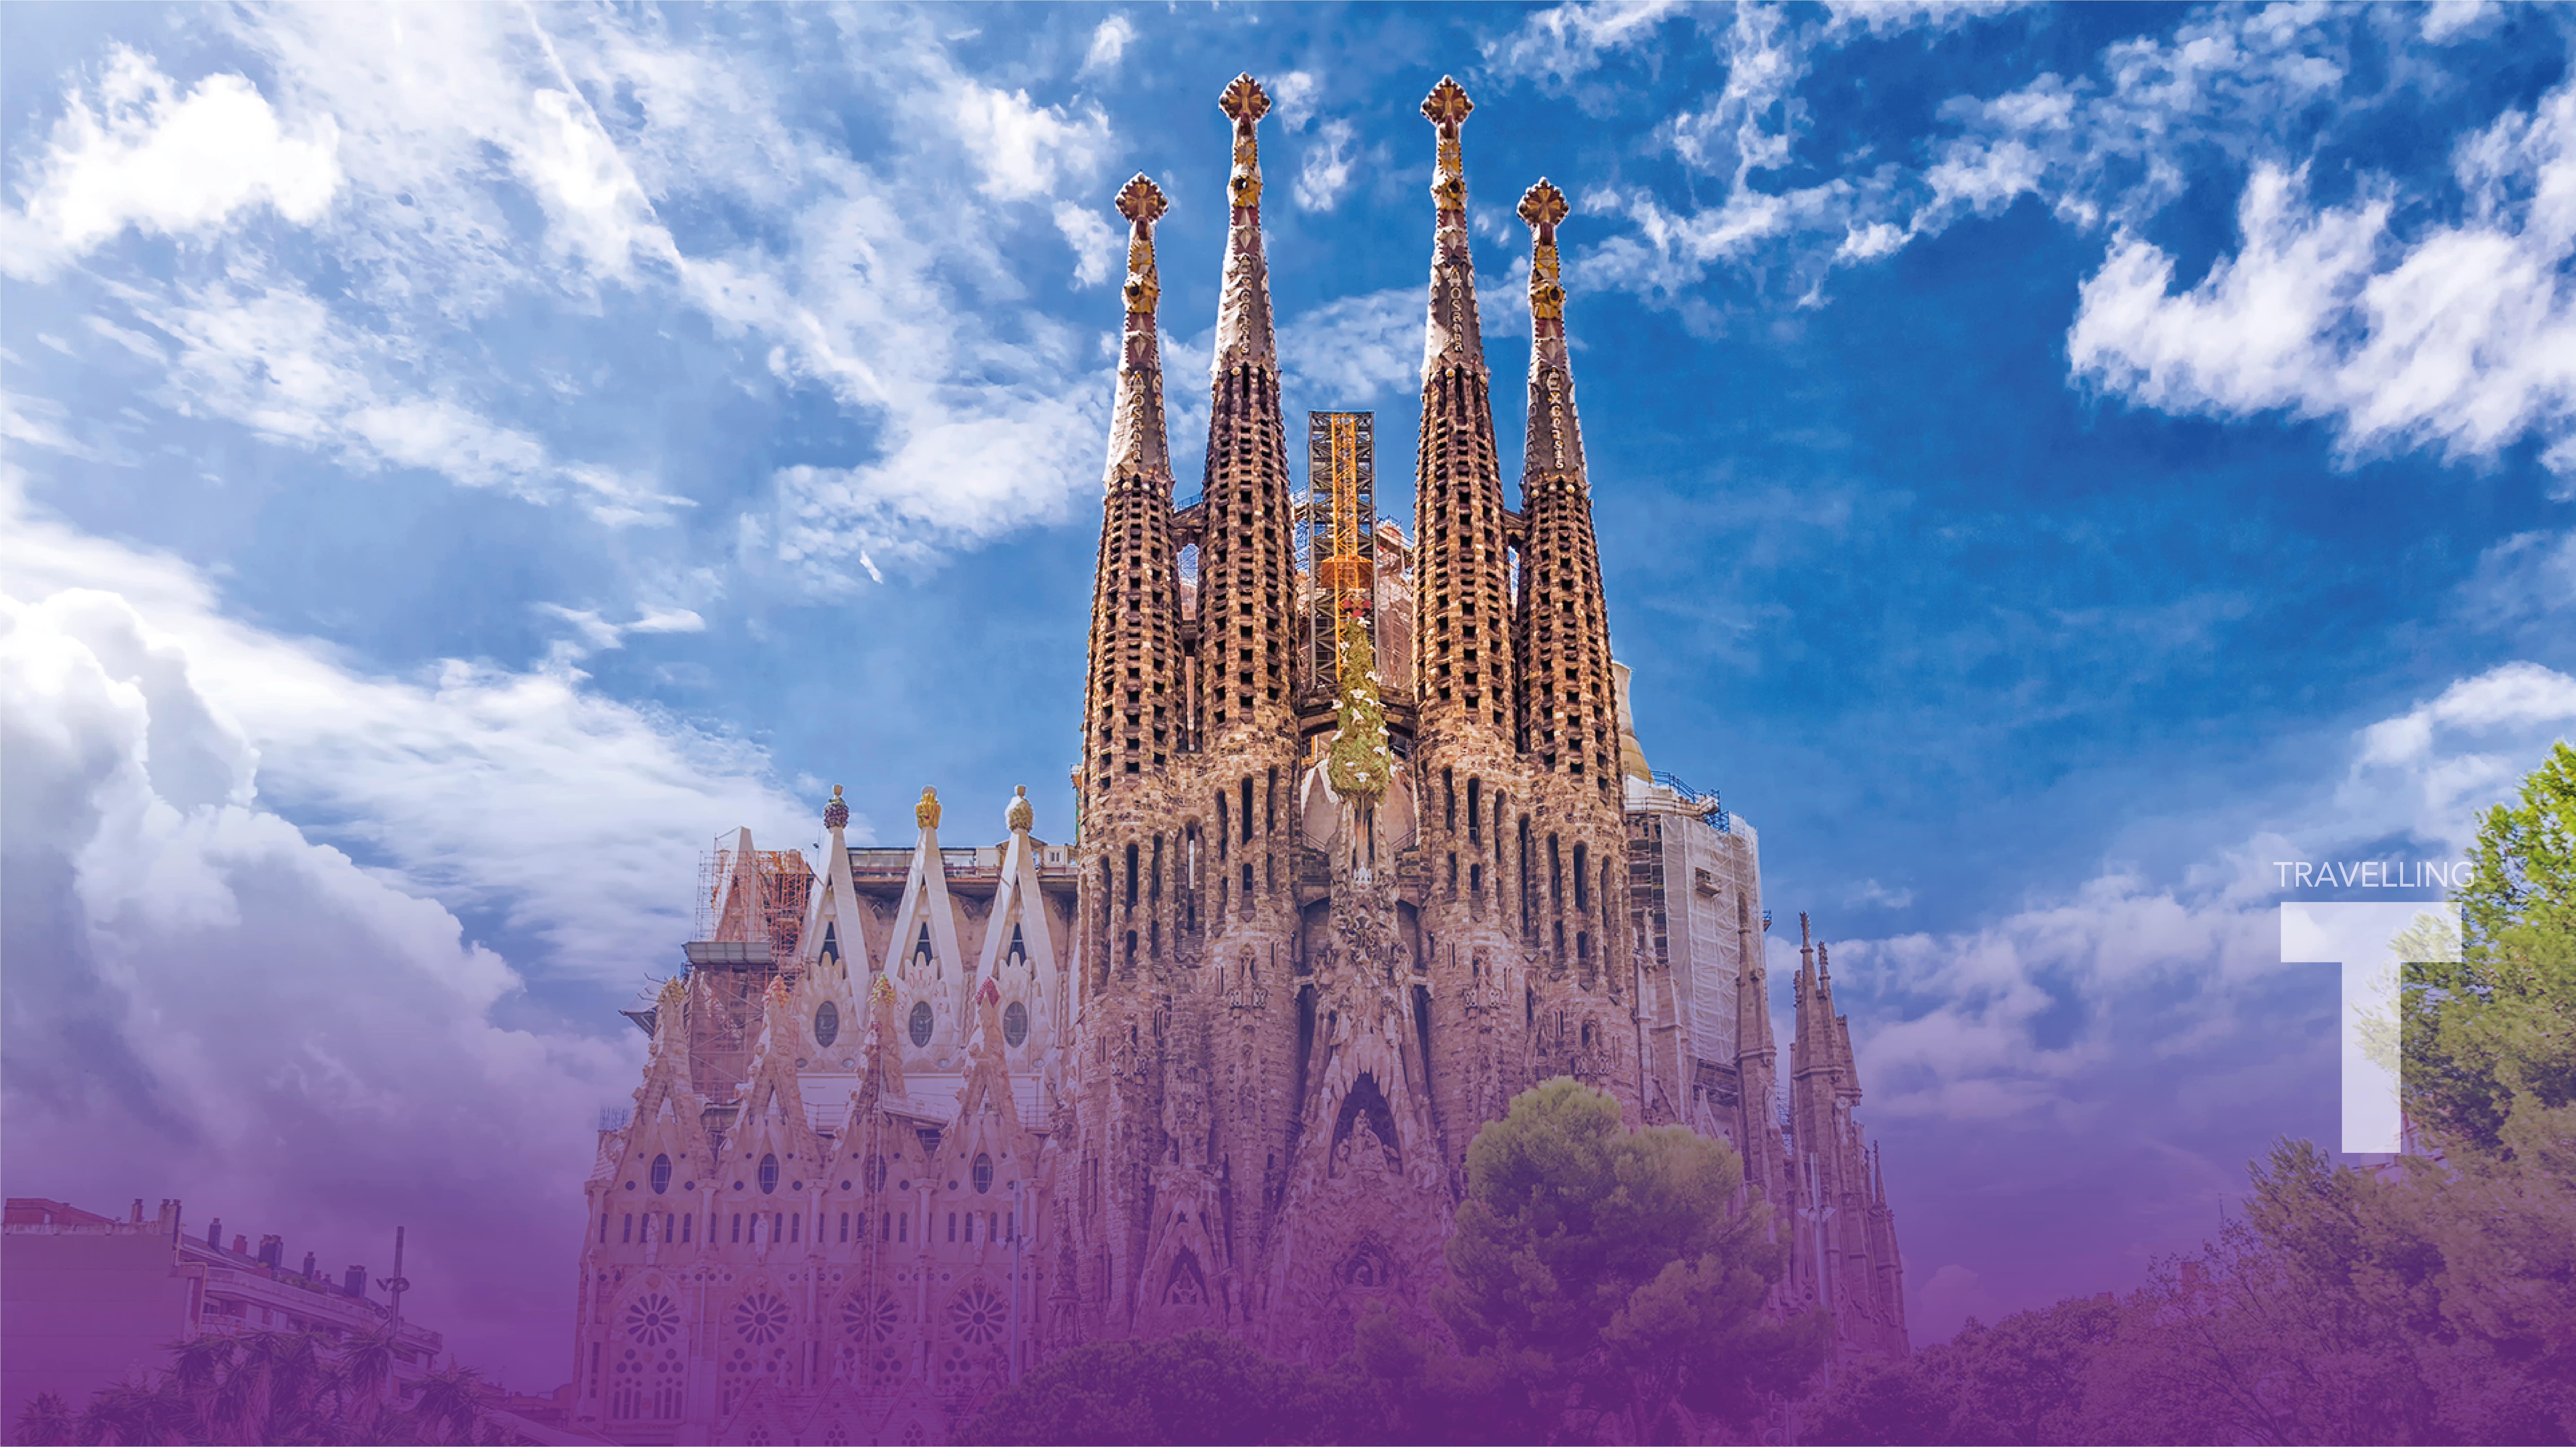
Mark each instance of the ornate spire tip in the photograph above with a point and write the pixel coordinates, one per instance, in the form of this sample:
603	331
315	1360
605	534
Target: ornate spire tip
1244	100
1447	105
1141	200
1543	204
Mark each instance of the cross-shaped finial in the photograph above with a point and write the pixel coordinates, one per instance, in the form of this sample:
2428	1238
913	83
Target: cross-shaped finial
1244	99
1447	105
1141	200
1543	204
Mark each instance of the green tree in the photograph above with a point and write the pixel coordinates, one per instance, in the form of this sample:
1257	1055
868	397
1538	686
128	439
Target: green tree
46	1420
1421	1391
2501	1022
1200	1387
2424	1303
279	1387
450	1404
1618	1274
2025	1380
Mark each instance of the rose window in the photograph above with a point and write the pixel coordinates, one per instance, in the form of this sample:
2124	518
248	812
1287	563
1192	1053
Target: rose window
760	1318
978	1315
868	1320
651	1319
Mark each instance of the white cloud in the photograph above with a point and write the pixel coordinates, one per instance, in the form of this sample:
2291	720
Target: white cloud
1109	41
1871	892
2097	150
2032	1013
870	277
1325	169
946	484
2461	339
1023	148
1325	165
2435	768
1948	1298
611	803
1357	346
2457	336
2527	576
1977	1054
1751	125
205	1002
1564	41
153	158
281	363
1097	248
2115	148
2447	20
1292	98
597	633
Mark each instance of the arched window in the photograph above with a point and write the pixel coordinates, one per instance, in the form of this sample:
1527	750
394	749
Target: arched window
876	1173
922	1021
983	1174
1015	1022
1018	954
827	1023
768	1174
921	949
661	1174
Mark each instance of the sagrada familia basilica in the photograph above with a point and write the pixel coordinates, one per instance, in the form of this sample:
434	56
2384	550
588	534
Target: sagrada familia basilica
1365	847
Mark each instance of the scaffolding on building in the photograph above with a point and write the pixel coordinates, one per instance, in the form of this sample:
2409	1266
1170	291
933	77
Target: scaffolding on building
1337	534
753	897
1705	805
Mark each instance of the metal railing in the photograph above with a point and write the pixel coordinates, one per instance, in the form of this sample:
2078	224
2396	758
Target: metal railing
1710	811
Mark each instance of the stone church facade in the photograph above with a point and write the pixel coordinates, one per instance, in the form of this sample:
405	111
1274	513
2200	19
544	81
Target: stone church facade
916	1119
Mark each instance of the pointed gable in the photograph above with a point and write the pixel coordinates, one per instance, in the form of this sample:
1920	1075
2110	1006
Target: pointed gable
833	919
1020	948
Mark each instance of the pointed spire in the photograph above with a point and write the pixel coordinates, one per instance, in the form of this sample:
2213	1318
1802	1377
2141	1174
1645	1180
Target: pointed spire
1243	327
1135	652
1247	561
1555	449
1139	449
1570	712
1463	652
1454	339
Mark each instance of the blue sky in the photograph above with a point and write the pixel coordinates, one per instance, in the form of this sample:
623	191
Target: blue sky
2050	464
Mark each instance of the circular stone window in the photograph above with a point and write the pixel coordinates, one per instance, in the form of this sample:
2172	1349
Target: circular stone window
827	1024
921	1023
1015	1022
